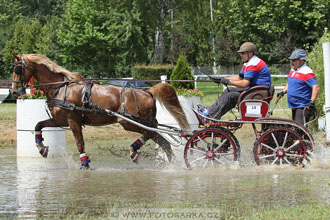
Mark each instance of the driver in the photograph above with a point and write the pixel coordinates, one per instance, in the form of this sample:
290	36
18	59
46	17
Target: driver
254	72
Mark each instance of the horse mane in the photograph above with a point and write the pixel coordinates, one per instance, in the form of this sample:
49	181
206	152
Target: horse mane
53	67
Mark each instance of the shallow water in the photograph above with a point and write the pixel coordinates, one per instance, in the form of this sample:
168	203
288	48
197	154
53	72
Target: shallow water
29	187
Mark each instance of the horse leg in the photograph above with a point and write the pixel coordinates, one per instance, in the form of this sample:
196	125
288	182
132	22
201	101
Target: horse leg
78	135
43	150
146	135
157	139
164	144
136	146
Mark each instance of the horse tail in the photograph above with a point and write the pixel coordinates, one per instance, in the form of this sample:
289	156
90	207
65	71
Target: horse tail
166	96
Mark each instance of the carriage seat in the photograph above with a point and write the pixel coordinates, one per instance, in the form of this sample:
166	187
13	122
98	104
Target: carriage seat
251	110
258	92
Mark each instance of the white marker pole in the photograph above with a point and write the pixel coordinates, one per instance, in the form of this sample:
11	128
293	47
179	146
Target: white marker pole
326	59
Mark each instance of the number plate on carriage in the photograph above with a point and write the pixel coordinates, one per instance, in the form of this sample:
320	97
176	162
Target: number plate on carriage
253	109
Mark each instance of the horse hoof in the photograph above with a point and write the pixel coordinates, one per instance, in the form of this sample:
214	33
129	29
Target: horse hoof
134	156
44	151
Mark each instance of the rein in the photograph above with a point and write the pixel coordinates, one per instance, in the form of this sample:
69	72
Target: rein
47	84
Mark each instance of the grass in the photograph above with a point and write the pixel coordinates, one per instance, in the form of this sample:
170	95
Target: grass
8	125
215	210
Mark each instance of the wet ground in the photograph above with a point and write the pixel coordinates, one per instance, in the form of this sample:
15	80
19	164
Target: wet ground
30	188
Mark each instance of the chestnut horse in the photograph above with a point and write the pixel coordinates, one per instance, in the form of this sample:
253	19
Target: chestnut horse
75	101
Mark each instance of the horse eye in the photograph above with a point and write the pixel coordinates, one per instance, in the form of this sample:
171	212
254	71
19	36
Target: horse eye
18	70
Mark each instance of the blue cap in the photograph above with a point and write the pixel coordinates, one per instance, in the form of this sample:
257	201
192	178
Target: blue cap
298	54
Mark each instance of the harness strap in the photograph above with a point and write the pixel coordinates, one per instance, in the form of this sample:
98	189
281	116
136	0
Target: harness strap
136	102
86	93
124	110
66	82
122	97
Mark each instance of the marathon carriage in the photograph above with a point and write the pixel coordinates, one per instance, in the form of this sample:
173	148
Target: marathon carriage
74	101
278	141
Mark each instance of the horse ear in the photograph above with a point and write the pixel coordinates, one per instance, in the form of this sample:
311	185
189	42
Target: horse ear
16	57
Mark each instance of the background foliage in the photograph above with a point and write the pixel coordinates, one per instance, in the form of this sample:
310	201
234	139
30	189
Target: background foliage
100	38
315	61
144	72
182	71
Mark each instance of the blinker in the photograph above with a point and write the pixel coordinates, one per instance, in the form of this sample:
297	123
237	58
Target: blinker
18	70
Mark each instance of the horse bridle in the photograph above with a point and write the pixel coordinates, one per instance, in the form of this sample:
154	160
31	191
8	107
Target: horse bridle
19	67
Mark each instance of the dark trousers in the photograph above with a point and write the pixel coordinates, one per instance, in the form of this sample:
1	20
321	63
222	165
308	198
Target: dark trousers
225	102
297	115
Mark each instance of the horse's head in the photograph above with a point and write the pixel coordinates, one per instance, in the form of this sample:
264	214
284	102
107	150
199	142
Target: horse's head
21	76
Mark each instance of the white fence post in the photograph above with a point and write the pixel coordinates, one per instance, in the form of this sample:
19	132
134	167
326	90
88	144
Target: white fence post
195	83
326	59
163	78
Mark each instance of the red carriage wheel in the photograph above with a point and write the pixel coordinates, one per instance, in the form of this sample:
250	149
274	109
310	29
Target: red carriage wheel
211	147
279	145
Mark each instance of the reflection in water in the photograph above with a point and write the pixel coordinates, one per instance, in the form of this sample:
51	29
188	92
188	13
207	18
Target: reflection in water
49	186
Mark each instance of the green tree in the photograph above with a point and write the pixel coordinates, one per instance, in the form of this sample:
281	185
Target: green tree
46	42
190	32
24	40
103	38
41	10
9	14
277	27
182	71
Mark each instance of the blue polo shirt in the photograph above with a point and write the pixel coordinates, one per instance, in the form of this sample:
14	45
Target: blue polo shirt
256	70
300	82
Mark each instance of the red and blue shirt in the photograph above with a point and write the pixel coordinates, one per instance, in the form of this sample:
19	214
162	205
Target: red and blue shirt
300	82
257	72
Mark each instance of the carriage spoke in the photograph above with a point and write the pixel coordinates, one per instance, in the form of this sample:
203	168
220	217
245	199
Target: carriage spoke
206	161
197	159
223	154
286	136
263	157
275	161
295	155
212	137
287	160
275	140
293	145
281	161
222	143
204	144
197	150
223	163
269	147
